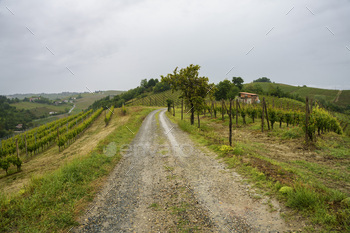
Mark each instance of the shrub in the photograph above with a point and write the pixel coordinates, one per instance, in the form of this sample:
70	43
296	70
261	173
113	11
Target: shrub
303	198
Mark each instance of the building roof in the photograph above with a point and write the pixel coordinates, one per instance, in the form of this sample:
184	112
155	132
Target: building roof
246	93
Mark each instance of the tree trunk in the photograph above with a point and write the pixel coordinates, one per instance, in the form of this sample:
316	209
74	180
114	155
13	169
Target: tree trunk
192	114
199	122
222	110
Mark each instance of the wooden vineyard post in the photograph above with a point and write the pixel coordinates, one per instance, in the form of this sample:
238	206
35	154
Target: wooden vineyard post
236	113
150	101
222	110
199	122
266	114
307	120
182	109
17	148
262	115
25	139
230	124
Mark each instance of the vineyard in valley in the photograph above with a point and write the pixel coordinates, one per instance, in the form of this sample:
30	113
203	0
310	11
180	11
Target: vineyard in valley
61	132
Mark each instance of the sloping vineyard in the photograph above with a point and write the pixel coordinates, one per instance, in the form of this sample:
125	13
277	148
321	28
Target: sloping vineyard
158	99
62	131
109	113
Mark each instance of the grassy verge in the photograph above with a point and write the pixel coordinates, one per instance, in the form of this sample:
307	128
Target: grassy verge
52	202
313	182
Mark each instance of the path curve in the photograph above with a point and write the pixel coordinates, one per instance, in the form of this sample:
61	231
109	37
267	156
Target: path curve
165	182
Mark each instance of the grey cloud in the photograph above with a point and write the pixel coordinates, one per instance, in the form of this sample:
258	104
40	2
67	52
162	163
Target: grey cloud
113	44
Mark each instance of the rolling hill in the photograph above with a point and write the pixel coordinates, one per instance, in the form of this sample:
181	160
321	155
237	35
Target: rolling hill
340	98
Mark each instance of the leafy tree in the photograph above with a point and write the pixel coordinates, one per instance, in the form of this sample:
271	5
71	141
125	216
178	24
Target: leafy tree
169	103
151	83
262	80
144	83
226	90
194	88
161	86
234	91
238	81
222	89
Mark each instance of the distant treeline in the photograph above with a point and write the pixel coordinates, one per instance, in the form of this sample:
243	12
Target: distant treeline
146	87
10	117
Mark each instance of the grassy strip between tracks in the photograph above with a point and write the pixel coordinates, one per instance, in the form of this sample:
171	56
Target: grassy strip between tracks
309	189
52	202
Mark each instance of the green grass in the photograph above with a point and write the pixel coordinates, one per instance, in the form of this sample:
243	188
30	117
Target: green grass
51	202
316	187
287	132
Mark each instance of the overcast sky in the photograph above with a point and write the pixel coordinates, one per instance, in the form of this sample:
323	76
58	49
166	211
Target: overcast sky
54	46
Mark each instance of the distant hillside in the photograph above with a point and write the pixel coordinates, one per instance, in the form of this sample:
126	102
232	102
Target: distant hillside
40	110
340	98
62	95
51	96
89	98
82	102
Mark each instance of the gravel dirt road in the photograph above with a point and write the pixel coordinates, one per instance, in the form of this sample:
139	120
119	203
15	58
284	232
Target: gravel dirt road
167	183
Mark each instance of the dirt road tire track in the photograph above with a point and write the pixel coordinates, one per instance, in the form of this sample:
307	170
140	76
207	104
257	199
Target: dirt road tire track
167	183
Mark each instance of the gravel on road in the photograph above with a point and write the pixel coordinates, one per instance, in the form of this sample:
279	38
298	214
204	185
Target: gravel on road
167	183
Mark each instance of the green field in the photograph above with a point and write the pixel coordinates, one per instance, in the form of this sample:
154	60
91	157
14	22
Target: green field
89	98
42	109
311	92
